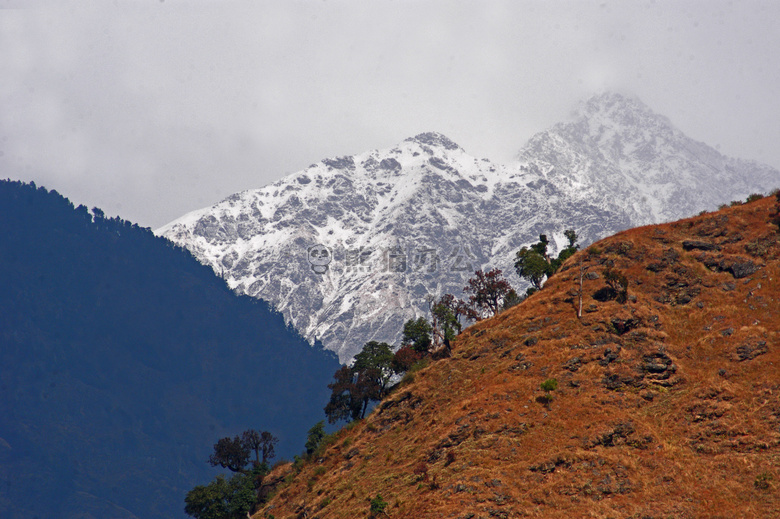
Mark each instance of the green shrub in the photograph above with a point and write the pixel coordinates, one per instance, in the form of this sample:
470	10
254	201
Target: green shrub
407	379
618	282
378	506
547	386
753	197
420	364
298	463
228	498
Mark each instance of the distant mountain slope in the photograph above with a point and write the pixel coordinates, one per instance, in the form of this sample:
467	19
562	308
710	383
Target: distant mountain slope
616	147
666	406
416	220
123	360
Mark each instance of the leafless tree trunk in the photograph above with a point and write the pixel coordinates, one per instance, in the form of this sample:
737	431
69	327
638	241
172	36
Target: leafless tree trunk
582	275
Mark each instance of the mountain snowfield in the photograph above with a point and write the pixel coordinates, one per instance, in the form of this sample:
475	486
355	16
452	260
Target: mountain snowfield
352	247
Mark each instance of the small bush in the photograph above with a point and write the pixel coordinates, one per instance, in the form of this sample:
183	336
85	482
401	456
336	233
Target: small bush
735	203
753	197
545	400
406	380
618	282
547	386
764	481
377	506
420	364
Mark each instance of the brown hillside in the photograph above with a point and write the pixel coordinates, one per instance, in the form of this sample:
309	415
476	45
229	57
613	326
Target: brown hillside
666	406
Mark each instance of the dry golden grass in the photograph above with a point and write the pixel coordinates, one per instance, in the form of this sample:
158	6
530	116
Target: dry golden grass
679	416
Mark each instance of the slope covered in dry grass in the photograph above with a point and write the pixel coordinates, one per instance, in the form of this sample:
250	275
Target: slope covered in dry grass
667	405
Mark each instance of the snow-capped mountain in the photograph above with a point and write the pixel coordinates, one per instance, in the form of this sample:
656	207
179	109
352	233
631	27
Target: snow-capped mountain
618	148
352	247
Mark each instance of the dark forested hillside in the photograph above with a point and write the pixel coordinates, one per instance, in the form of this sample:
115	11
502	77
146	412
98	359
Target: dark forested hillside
122	360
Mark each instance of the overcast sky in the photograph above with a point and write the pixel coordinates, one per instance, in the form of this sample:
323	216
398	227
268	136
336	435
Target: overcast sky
149	109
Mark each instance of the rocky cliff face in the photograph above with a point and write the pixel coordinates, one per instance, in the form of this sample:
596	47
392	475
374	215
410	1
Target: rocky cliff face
351	247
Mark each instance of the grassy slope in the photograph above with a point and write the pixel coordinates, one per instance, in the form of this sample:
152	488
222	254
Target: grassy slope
623	437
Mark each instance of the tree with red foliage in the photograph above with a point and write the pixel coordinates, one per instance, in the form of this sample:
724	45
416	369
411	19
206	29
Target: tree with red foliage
488	290
405	358
776	215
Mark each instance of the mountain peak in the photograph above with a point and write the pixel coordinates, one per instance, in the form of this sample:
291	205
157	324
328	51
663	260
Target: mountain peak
608	99
619	109
434	139
454	213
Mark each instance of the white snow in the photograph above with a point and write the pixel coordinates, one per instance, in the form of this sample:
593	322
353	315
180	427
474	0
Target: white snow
592	185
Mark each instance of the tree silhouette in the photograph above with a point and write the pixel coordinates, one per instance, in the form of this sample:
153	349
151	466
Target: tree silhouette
261	442
351	392
230	453
354	387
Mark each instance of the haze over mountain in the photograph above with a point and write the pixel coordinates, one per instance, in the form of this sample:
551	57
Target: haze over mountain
404	224
664	405
123	360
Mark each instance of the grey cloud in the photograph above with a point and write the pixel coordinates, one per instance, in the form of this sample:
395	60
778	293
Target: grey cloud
150	109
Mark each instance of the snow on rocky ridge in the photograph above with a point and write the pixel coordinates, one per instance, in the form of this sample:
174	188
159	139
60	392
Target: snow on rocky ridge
352	247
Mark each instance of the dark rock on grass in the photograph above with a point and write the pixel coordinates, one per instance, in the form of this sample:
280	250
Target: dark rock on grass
751	350
699	245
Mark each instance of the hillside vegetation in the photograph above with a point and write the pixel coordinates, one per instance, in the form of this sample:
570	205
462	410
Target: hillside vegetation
664	405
